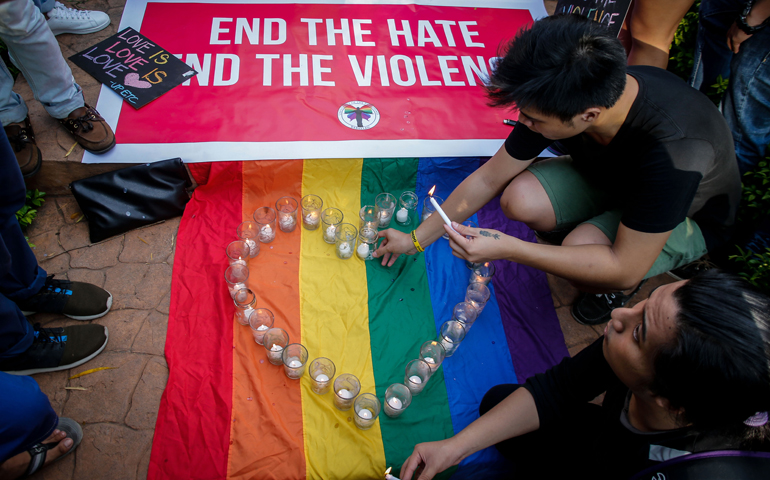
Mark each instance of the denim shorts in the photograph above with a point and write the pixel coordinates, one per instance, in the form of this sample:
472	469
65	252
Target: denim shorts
576	200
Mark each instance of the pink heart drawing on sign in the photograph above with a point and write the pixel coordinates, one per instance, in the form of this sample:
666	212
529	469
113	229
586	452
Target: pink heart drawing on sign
132	80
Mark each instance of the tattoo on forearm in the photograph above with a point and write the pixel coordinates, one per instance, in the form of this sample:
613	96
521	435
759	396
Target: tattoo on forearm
484	233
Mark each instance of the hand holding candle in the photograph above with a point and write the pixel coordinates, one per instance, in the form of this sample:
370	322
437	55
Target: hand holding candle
440	210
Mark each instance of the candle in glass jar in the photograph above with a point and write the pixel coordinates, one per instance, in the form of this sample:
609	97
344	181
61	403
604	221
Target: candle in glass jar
253	247
312	218
415	379
344	249
345	393
287	222
365	414
363	250
402	215
395	403
322	378
275	352
294	363
331	231
266	234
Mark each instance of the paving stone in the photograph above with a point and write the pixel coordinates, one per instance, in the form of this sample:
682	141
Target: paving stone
123	326
68	206
574	333
165	303
149	245
144	464
146	399
52	384
563	292
55	265
111	451
48	219
94	277
108	397
45	245
74	236
138	285
97	256
152	336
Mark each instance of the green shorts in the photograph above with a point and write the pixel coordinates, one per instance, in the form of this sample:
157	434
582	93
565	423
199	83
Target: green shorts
575	201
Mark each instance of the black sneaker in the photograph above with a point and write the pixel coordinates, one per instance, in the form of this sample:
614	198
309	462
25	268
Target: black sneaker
78	300
55	349
590	309
686	272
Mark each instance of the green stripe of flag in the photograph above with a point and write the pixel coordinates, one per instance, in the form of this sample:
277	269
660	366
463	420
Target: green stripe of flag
400	320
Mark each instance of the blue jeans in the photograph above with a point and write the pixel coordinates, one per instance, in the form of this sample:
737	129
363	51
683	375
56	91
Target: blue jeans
26	416
747	100
36	53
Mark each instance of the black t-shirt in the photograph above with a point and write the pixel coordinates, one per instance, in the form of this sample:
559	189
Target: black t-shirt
623	449
672	158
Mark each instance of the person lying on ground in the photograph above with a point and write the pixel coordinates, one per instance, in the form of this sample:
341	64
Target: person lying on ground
685	371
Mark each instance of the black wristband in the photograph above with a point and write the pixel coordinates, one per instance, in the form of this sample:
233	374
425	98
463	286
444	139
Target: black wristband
741	23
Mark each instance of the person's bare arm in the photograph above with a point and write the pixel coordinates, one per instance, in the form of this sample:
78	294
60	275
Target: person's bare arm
514	416
472	194
604	267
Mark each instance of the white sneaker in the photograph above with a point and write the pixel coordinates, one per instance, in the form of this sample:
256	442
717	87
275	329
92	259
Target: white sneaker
62	19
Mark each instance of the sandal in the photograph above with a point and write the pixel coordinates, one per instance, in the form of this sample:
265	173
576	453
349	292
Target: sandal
38	452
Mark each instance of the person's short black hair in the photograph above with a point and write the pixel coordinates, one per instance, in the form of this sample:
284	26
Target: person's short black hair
718	366
560	66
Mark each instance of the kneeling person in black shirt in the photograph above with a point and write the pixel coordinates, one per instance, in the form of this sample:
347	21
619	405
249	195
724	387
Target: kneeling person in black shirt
685	371
650	181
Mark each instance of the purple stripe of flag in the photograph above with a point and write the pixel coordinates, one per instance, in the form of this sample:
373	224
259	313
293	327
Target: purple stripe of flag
529	318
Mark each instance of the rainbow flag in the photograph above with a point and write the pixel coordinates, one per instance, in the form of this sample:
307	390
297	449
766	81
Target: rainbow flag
227	413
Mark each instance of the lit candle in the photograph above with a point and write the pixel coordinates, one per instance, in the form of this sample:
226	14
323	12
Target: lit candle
331	231
287	222
275	352
266	234
253	247
402	215
322	378
345	393
294	362
388	476
345	250
363	250
395	403
415	379
384	217
365	414
439	210
312	218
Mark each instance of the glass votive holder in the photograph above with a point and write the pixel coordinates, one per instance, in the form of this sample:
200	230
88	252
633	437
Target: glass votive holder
265	218
236	276
432	352
367	244
322	372
428	208
311	211
346	237
385	204
451	335
245	301
287	213
238	253
466	314
346	388
397	398
249	233
261	320
330	220
477	294
417	375
368	218
294	360
407	205
367	408
275	340
482	273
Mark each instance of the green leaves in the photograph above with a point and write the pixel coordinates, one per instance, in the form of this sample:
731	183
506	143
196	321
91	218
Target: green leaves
28	212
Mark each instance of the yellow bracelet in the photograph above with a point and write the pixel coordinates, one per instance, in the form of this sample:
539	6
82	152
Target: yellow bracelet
416	243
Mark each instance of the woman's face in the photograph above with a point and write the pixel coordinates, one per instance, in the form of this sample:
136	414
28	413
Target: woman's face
633	335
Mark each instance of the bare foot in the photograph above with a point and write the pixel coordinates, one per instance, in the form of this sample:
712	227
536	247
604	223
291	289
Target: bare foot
15	467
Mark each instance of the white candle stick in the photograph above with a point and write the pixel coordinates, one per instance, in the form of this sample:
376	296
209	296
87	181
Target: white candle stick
441	212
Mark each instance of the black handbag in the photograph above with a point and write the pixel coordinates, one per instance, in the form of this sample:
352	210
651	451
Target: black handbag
119	201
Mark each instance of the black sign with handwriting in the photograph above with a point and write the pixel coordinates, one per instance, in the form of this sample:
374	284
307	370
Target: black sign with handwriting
610	13
134	67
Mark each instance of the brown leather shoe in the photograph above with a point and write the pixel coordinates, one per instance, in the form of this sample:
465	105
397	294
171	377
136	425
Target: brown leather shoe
22	140
89	129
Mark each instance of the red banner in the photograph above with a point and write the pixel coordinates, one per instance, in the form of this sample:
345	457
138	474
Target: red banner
379	76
